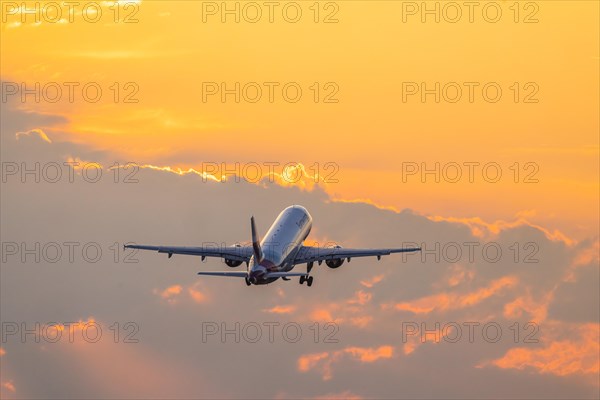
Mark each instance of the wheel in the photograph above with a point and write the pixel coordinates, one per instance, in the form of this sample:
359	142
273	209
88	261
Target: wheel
247	282
302	279
309	281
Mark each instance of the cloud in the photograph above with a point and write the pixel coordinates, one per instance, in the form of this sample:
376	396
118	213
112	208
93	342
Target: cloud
459	274
197	295
180	171
537	310
9	385
579	354
322	315
296	175
360	298
115	55
309	361
40	133
490	230
588	255
324	361
170	294
292	176
344	311
362	321
280	309
348	395
12	25
181	209
424	336
450	301
370	355
369	283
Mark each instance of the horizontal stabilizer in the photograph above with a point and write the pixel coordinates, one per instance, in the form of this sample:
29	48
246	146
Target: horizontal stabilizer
223	273
284	274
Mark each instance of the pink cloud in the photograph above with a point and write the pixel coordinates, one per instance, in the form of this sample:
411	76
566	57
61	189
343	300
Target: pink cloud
324	361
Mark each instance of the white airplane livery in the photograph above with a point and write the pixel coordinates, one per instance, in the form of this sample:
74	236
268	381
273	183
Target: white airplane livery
278	253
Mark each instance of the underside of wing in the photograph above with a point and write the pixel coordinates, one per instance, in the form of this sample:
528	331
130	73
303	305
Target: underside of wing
234	253
223	273
309	254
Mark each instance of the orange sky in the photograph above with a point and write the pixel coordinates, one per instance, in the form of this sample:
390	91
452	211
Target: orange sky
362	67
366	57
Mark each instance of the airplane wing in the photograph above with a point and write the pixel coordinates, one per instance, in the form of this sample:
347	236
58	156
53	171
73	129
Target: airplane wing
245	274
235	253
308	254
225	273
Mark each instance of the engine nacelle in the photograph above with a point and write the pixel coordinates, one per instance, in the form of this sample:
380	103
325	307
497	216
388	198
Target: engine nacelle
335	262
233	263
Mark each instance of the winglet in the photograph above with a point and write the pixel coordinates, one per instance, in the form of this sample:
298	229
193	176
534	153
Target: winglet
258	254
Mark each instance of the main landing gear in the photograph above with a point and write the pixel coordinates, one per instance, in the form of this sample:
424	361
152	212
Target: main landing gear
306	278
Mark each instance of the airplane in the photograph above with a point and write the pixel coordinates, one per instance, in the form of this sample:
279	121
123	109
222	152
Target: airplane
278	253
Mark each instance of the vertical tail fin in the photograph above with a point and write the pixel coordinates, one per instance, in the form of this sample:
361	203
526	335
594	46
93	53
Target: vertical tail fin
258	254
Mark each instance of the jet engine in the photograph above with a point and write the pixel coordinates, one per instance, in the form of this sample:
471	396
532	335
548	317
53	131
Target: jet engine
335	262
233	263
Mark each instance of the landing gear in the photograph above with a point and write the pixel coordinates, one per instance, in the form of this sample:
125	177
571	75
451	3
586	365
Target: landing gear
307	279
247	281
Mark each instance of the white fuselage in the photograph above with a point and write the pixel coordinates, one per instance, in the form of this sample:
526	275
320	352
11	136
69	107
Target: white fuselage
281	244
